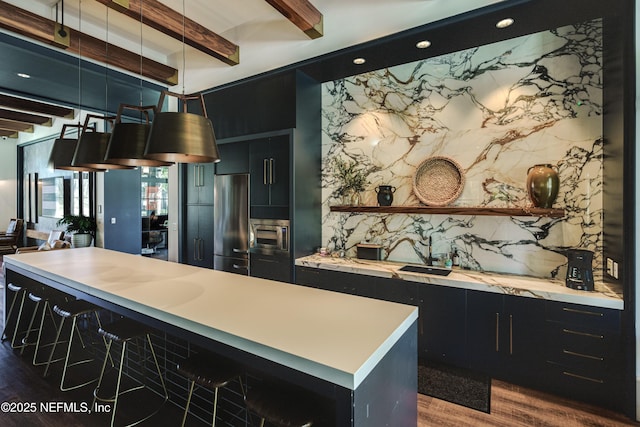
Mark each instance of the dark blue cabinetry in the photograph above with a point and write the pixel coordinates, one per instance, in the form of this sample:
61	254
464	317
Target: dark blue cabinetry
565	349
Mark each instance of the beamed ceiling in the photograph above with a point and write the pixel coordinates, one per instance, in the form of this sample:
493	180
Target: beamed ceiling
194	45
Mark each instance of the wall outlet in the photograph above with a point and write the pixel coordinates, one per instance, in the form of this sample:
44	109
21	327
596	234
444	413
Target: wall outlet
113	220
609	266
615	270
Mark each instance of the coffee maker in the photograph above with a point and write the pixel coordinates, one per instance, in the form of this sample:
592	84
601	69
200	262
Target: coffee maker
579	269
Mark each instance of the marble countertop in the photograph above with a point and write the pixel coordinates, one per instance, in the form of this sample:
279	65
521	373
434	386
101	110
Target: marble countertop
550	289
336	337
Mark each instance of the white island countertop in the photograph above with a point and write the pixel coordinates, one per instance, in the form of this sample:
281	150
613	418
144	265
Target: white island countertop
338	338
550	289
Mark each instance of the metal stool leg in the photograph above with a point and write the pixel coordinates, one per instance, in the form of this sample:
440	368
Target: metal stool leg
19	292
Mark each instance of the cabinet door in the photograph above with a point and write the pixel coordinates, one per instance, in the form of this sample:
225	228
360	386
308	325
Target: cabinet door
270	267
525	343
279	171
199	183
487	336
442	328
307	276
234	158
259	170
198	243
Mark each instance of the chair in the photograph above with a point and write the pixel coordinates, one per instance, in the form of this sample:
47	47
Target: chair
283	406
211	372
54	241
10	238
124	331
72	310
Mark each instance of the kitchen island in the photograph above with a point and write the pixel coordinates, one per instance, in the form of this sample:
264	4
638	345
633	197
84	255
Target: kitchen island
358	353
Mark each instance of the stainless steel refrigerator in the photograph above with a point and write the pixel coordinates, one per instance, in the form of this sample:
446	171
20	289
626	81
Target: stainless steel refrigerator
231	223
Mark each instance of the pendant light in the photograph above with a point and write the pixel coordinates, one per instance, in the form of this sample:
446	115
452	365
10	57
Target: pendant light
63	150
182	137
128	140
92	146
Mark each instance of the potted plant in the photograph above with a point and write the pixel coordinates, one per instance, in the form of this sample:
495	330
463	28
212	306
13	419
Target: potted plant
82	227
351	178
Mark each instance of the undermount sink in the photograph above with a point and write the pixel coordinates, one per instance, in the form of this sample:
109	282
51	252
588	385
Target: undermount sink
426	270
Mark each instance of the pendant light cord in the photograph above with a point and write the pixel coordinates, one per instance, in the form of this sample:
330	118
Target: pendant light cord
184	67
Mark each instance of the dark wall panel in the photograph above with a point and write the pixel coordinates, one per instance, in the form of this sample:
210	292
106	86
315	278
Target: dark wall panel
122	202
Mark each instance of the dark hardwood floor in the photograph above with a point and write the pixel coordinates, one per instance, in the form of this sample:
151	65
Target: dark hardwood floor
21	383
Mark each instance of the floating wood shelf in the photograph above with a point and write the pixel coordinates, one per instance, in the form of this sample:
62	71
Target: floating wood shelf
452	210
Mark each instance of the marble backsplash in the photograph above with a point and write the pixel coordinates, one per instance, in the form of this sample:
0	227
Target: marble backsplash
497	110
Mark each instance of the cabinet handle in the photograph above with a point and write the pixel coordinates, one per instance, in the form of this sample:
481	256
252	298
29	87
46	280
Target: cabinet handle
239	267
201	175
264	170
511	334
196	176
586	356
589	313
272	174
569	374
497	332
583	334
201	249
195	249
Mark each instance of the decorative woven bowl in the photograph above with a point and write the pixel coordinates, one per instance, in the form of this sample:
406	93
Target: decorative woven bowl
438	181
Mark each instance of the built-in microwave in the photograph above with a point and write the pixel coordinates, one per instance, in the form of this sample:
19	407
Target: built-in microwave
269	235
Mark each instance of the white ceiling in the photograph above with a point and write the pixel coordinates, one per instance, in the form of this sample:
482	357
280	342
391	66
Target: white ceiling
267	40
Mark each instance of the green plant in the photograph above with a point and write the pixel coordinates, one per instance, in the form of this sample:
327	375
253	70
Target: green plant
78	224
350	176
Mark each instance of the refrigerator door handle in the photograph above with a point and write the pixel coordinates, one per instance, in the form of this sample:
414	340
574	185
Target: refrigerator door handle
272	174
239	251
264	170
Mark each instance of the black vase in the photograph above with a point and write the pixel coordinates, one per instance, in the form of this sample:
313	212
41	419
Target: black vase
385	194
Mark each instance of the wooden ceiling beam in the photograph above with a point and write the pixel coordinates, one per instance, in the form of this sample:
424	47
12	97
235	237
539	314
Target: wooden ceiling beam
36	27
35	106
164	19
25	117
8	134
303	14
14	126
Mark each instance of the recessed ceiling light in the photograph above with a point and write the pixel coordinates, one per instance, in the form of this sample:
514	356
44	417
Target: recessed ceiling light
423	44
24	76
504	23
359	61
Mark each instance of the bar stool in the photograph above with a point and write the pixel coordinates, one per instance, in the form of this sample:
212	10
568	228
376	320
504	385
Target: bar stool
43	299
282	406
20	293
72	310
211	372
124	331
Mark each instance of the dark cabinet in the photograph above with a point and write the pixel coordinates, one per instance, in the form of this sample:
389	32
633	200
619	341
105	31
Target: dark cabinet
269	169
442	324
234	158
506	336
198	243
337	281
583	351
271	267
199	183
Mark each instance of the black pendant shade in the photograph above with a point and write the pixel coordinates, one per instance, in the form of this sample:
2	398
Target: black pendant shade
63	151
92	147
182	137
128	140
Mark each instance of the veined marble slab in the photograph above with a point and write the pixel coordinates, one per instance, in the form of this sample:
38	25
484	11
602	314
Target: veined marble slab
550	289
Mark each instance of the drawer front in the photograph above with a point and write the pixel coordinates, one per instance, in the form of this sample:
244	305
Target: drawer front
590	318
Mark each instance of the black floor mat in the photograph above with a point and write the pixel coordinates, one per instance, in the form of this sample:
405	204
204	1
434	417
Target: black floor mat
455	385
